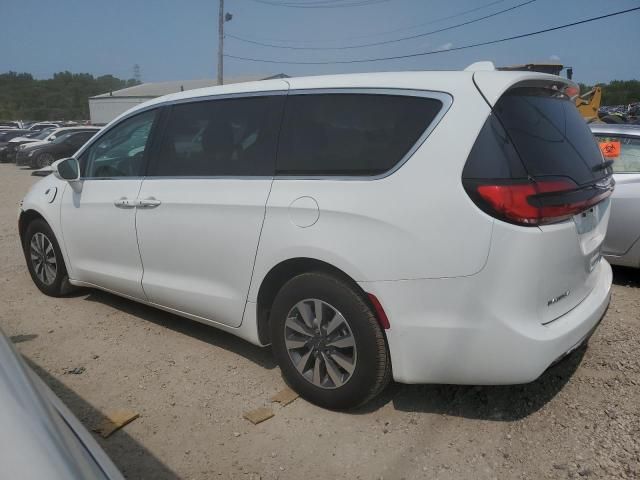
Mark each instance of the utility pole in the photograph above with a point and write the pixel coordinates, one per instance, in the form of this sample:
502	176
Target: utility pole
136	73
220	42
222	17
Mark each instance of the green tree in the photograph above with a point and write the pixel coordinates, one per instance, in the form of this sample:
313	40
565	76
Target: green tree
617	92
65	96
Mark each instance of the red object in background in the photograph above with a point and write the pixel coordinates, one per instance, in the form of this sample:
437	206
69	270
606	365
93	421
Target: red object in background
610	149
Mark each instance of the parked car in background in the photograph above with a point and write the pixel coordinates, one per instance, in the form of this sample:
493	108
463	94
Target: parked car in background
65	144
15	124
41	437
42	125
620	144
5	136
366	226
14	144
52	134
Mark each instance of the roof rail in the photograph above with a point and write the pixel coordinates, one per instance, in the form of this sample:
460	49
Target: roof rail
481	66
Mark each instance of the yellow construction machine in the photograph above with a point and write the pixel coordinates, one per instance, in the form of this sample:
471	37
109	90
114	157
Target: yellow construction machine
589	103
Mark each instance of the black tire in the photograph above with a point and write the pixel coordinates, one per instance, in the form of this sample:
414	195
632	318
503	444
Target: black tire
42	160
372	366
59	285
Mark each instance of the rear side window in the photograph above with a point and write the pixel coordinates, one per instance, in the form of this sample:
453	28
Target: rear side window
624	151
493	154
79	139
550	135
226	137
350	134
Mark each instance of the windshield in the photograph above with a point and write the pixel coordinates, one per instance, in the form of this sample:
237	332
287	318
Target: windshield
43	134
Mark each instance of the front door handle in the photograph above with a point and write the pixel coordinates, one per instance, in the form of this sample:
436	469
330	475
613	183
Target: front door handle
149	202
124	202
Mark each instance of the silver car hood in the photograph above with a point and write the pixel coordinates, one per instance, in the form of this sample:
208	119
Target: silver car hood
40	437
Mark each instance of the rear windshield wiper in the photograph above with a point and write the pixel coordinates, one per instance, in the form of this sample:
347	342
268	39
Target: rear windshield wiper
602	166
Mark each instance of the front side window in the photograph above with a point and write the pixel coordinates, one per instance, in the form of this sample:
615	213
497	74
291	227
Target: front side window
351	134
624	151
120	151
225	137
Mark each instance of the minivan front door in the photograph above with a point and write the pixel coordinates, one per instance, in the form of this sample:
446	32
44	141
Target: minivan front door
98	219
202	204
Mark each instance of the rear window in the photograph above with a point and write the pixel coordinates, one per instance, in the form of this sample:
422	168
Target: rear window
549	134
350	134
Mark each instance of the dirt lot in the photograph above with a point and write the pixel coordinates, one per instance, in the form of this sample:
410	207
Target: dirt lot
191	385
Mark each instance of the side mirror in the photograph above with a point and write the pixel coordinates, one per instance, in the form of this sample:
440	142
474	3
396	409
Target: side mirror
67	169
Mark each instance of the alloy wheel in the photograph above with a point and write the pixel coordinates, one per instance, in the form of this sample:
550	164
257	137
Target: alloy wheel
43	258
320	343
44	159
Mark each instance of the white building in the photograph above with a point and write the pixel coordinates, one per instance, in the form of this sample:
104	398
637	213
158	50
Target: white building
107	106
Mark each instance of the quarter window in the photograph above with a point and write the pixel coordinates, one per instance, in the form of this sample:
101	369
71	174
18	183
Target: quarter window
350	134
120	151
624	151
224	137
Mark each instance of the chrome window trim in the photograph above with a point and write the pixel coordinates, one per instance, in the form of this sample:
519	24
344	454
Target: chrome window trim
212	177
227	96
445	98
112	178
218	177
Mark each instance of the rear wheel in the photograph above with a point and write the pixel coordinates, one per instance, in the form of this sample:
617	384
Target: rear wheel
327	341
44	260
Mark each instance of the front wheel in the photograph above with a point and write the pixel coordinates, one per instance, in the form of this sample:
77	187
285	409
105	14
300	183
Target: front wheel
44	260
327	341
43	160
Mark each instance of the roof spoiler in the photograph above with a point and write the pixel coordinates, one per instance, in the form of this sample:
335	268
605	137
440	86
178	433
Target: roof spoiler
484	66
493	84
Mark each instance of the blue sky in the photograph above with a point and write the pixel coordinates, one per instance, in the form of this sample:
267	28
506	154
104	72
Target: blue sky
173	39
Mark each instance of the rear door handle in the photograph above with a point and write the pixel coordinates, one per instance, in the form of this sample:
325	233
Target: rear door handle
124	202
149	202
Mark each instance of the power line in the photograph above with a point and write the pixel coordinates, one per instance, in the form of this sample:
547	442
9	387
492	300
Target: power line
386	32
321	4
385	42
453	49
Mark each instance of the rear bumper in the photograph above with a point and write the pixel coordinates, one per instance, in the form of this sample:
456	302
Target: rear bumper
447	331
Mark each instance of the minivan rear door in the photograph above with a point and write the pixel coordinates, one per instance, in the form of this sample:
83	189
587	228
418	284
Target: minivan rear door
556	151
202	203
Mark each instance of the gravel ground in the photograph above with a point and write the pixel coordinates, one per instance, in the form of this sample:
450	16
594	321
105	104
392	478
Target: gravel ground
191	384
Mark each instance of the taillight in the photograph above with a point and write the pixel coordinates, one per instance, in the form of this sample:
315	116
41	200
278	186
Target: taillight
539	202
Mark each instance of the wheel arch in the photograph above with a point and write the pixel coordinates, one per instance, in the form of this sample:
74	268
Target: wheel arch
25	218
280	274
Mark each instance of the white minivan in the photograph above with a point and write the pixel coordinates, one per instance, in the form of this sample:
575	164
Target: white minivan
430	227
